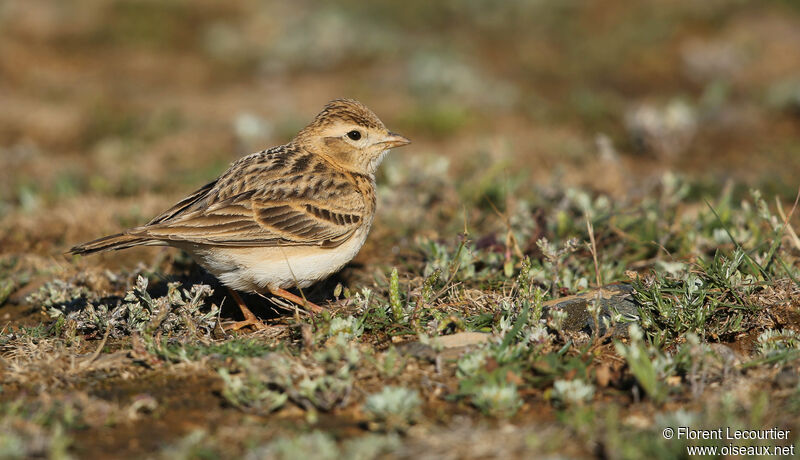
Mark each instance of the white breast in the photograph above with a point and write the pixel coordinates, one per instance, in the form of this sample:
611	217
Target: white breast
254	269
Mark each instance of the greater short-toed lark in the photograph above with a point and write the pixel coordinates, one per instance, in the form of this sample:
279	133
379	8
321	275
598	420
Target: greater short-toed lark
284	217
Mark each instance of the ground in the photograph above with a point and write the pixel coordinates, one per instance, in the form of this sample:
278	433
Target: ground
562	152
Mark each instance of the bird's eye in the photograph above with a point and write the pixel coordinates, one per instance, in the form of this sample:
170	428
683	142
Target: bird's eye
354	134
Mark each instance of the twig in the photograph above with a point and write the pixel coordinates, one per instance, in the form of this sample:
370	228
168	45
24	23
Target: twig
456	264
593	249
99	347
511	240
787	225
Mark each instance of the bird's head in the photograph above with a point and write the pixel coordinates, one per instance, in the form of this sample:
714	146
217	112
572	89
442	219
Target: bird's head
350	135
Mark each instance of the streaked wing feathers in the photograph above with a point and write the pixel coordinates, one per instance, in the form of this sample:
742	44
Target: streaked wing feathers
253	223
260	205
186	203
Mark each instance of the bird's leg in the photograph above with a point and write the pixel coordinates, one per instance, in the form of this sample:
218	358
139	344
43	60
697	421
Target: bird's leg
284	294
249	318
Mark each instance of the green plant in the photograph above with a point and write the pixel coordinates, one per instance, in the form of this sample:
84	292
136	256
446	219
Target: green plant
499	400
254	389
393	409
650	367
575	391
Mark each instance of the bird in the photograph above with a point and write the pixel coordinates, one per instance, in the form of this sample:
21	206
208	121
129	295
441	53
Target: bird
285	217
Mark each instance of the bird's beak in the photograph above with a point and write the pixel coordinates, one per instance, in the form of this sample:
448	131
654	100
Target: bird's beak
393	140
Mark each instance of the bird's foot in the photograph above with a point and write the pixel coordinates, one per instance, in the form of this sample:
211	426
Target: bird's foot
249	318
255	322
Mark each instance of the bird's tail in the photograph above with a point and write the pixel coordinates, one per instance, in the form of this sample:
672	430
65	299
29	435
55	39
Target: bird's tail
113	243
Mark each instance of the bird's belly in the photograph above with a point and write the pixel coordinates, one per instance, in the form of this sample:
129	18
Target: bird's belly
258	268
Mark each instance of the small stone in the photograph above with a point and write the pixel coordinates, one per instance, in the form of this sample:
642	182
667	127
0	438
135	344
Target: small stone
614	300
463	339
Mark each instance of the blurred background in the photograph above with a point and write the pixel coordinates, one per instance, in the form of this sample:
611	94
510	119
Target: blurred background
112	109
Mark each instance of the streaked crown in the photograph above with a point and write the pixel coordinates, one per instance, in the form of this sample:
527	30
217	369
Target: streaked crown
346	110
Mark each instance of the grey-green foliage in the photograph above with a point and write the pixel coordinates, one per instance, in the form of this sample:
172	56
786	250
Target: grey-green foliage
497	399
58	296
36	432
326	383
773	342
390	363
394	408
22	442
371	446
554	268
652	367
648	365
489	390
348	328
6	288
262	384
577	391
179	310
713	300
250	391
460	265
488	376
319	445
198	444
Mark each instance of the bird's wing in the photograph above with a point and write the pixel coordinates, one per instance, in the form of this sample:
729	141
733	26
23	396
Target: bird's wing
182	206
272	200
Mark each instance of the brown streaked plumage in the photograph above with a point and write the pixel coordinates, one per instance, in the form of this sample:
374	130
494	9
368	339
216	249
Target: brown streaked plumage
283	217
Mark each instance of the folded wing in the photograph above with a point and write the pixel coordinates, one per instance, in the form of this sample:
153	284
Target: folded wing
268	202
245	220
278	197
